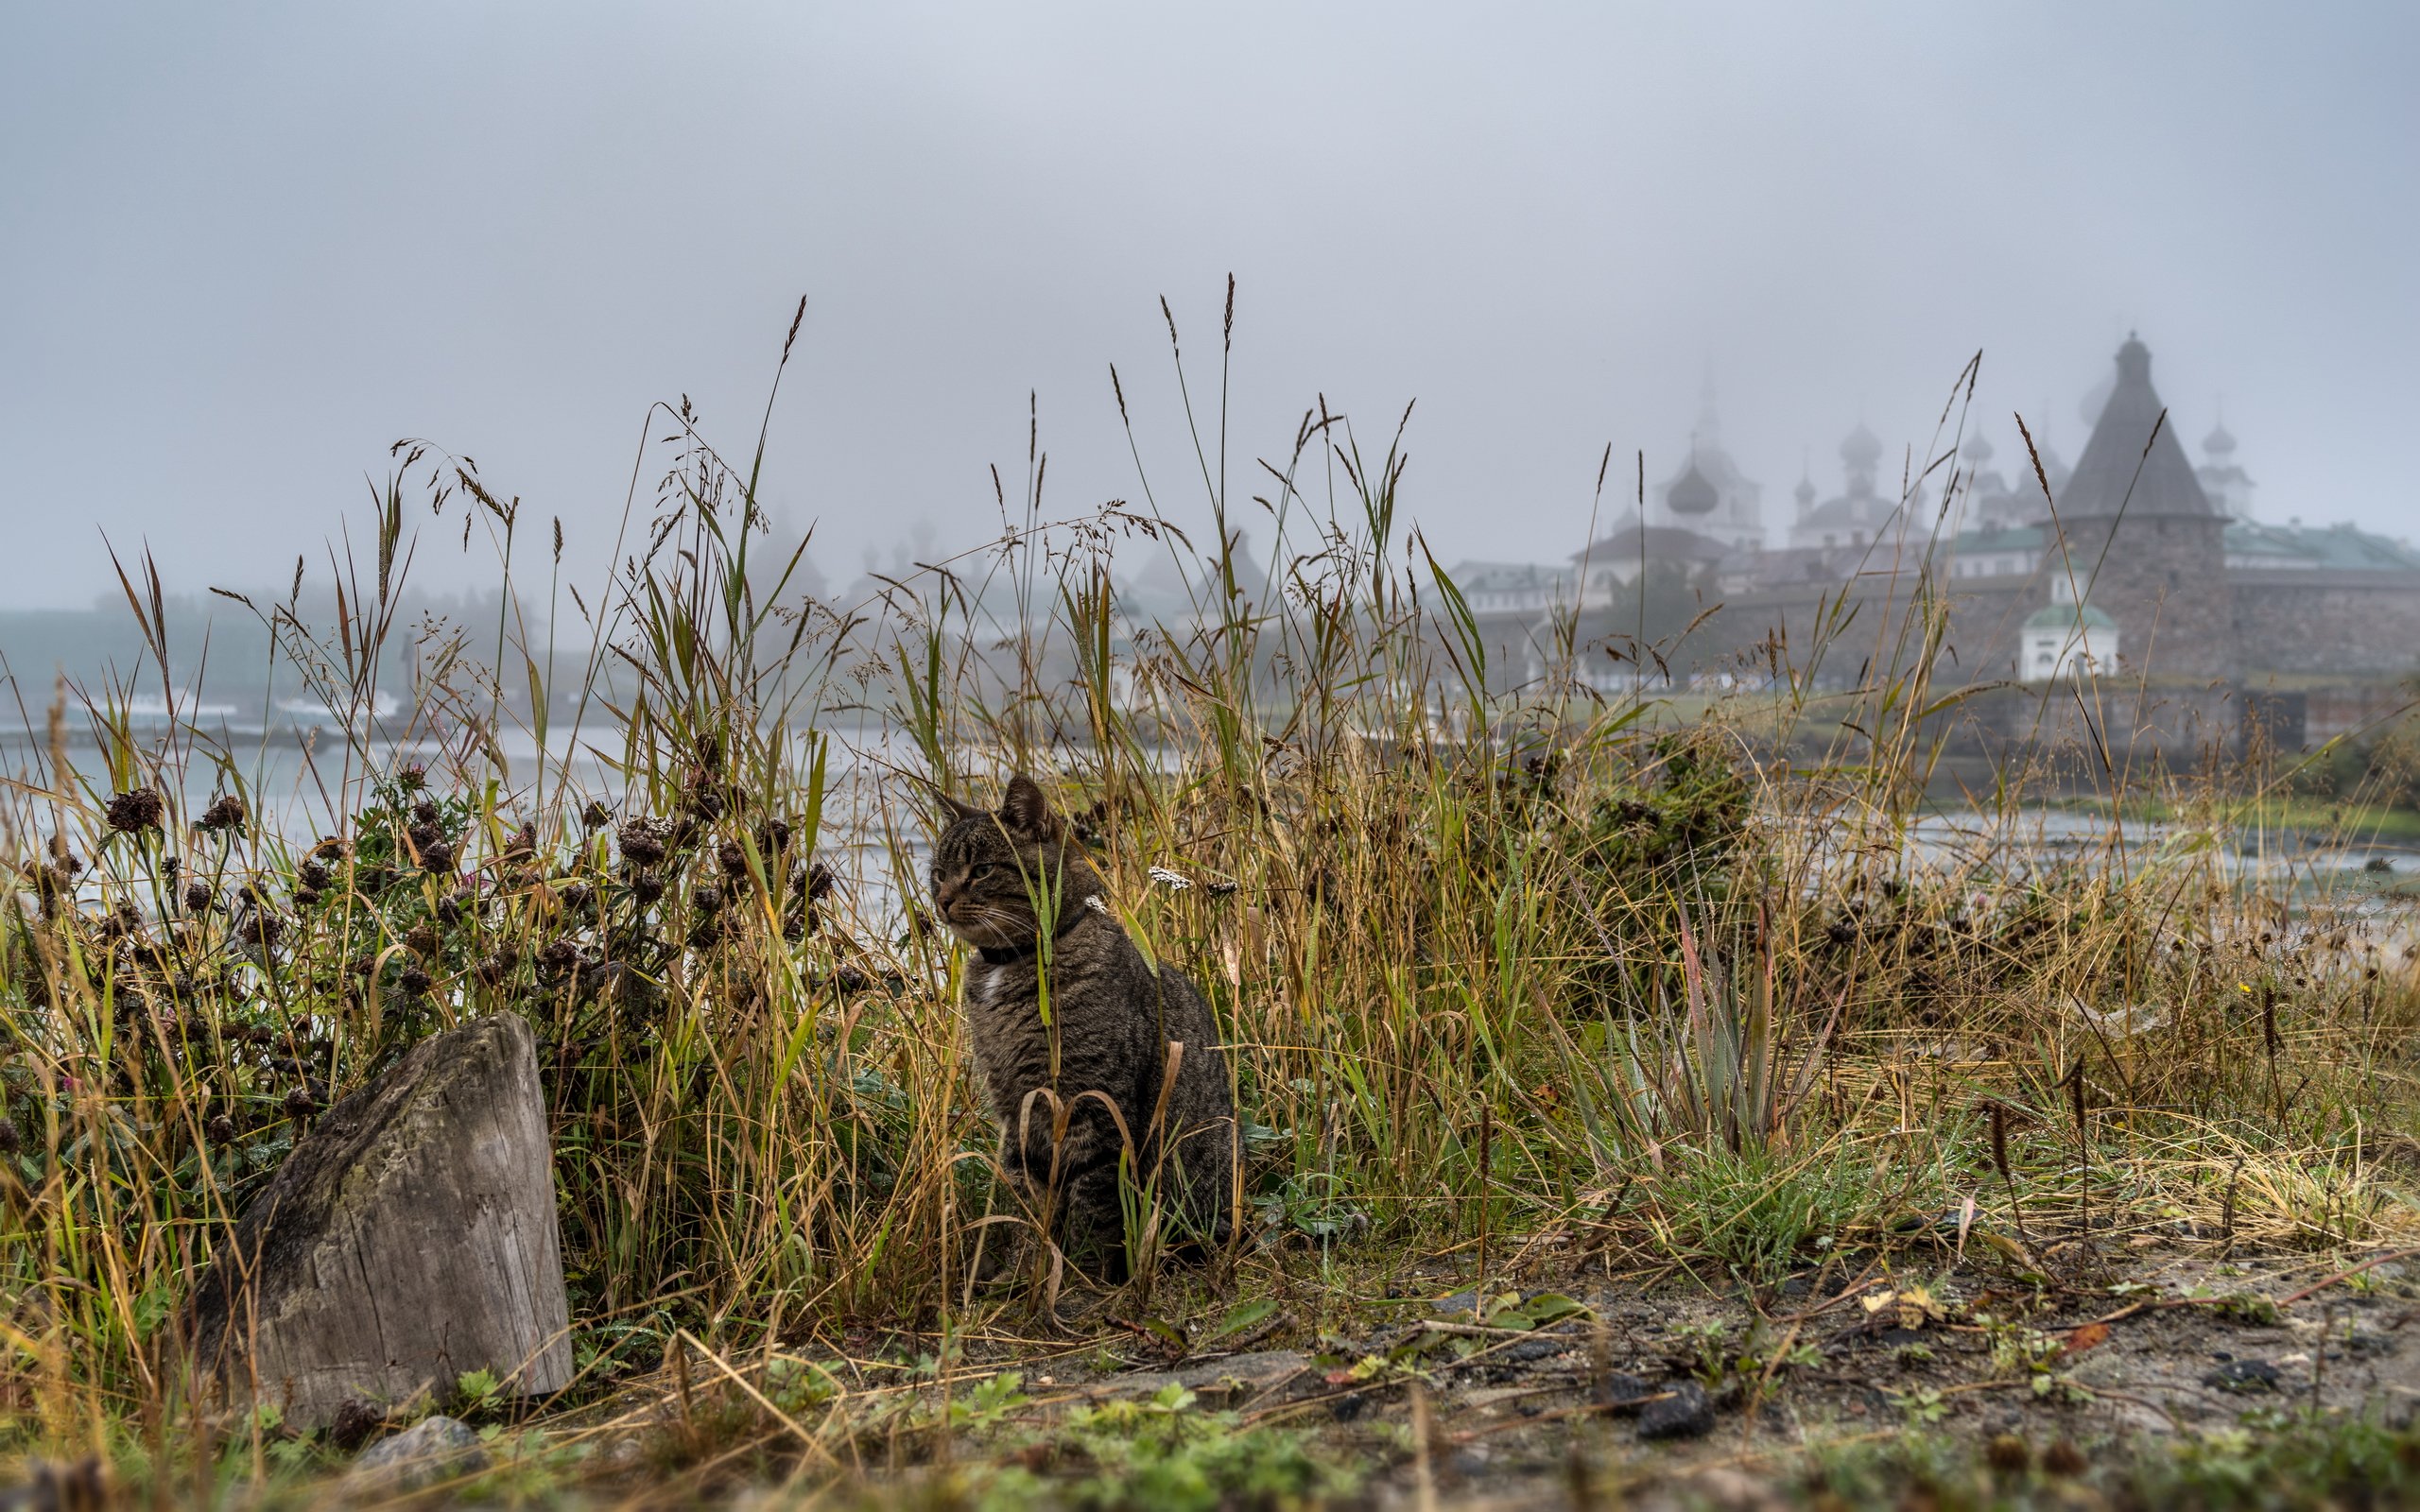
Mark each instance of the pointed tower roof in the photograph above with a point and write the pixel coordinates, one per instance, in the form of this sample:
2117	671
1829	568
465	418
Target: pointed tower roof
2106	480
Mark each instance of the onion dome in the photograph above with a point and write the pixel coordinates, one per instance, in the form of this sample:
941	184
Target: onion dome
1862	449
1978	450
2221	441
2133	361
1806	493
1692	493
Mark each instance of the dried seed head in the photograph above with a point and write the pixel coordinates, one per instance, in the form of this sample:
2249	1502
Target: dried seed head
222	1131
641	845
734	857
596	815
495	969
425	811
2009	1453
646	887
135	809
354	1422
579	895
416	981
10	1141
198	897
313	873
2065	1459
706	898
329	848
438	857
300	1104
413	777
810	886
420	939
306	896
226	812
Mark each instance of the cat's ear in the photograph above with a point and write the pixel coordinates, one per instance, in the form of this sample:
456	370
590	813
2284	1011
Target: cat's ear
953	810
1026	811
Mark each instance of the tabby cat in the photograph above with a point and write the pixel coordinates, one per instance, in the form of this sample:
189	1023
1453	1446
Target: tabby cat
999	881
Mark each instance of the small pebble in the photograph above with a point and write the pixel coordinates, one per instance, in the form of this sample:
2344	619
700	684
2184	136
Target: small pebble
1685	1413
2243	1375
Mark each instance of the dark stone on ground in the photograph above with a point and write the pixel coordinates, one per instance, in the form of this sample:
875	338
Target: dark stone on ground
1687	1413
2243	1375
1620	1391
82	1486
1525	1349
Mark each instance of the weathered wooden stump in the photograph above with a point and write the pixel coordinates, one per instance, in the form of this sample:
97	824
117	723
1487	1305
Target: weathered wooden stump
411	1237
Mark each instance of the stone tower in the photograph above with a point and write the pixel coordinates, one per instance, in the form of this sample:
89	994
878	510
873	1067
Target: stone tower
2141	539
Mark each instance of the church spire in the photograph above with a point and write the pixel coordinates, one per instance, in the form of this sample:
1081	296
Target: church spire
2114	474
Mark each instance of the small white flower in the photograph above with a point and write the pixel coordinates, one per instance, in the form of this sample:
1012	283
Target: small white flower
1167	878
1092	900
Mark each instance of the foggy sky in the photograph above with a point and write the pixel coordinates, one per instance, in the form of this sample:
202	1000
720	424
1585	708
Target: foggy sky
243	247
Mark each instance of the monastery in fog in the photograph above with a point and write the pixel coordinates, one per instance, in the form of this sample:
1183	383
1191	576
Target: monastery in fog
2138	562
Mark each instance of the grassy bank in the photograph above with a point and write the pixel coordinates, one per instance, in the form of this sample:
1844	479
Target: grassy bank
2285	816
1520	984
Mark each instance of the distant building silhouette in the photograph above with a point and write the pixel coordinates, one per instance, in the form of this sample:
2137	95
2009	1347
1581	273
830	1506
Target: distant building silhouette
2137	562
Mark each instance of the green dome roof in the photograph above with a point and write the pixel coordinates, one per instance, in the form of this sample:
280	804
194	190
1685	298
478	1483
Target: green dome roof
2065	616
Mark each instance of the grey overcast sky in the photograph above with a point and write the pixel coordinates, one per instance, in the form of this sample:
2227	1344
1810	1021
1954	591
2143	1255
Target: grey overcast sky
244	247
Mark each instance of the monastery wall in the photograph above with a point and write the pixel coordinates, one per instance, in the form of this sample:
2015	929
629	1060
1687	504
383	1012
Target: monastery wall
2347	625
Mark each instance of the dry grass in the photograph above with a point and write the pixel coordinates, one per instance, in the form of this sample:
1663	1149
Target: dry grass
1528	978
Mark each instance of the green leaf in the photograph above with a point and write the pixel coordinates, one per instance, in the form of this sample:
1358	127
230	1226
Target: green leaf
1553	1306
1243	1315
